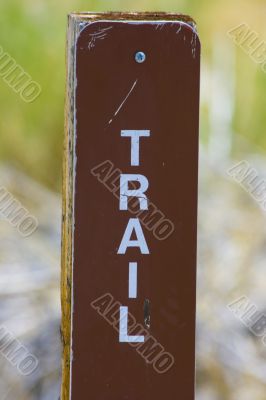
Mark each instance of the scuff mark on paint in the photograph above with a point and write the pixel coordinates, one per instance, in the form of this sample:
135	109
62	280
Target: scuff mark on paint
194	41
159	26
179	29
99	35
147	313
82	25
123	102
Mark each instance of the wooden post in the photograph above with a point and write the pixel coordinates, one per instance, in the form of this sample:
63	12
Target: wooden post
130	207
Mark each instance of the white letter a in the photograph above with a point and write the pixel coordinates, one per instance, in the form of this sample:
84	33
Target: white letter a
133	224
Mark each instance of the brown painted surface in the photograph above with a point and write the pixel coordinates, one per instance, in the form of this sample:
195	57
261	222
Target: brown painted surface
164	99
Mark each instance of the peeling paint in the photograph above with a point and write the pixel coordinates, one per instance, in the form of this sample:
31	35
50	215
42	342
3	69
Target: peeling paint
147	313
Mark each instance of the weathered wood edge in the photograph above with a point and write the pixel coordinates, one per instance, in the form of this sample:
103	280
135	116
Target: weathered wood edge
67	207
134	16
76	23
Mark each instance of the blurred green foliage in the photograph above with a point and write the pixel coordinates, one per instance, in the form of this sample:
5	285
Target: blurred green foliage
34	31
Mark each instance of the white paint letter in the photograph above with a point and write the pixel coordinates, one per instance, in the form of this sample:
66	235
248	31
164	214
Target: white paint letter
133	224
125	192
123	336
132	280
135	135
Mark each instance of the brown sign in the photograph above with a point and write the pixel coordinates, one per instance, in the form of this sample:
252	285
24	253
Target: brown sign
133	108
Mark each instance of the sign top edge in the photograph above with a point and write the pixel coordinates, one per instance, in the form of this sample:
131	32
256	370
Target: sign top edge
131	16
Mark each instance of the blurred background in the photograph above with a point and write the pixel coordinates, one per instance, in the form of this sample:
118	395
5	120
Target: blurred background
232	245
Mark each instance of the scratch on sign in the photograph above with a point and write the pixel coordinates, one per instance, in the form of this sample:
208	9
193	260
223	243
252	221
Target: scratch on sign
123	102
100	34
179	29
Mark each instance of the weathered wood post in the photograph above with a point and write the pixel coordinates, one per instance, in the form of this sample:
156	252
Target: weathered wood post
130	207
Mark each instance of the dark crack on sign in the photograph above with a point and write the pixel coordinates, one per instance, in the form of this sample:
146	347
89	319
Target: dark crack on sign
147	313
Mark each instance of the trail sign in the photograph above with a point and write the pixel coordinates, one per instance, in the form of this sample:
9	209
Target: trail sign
130	207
